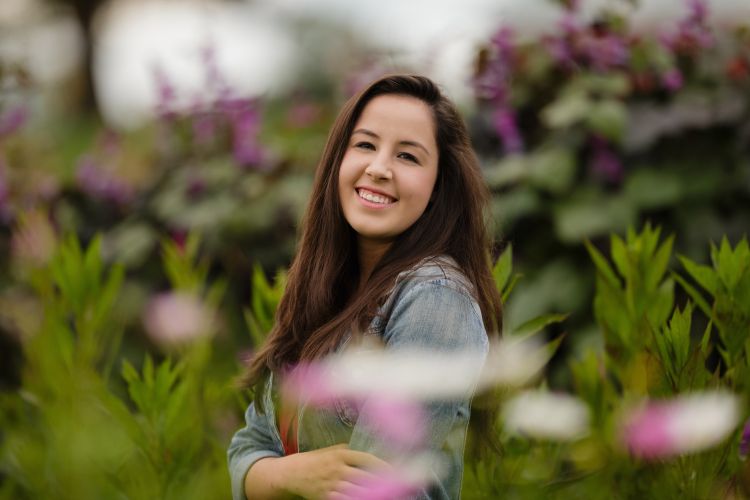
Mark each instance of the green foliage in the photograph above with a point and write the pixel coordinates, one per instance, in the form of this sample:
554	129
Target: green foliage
67	433
727	282
265	299
650	348
634	298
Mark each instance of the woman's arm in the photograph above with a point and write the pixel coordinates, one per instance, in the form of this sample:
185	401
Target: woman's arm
259	470
313	474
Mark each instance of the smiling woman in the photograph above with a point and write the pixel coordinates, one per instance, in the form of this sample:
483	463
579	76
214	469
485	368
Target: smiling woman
395	245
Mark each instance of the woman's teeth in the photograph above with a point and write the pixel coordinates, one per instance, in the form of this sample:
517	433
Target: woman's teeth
374	198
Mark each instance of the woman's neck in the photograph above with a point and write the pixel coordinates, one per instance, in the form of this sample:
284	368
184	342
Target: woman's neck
370	252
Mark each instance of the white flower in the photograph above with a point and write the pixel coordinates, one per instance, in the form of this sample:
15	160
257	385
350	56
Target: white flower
420	374
546	415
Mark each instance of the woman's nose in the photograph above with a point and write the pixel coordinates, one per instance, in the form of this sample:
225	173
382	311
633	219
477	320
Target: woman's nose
379	169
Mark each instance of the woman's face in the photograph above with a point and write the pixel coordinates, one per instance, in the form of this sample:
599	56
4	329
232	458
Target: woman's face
390	166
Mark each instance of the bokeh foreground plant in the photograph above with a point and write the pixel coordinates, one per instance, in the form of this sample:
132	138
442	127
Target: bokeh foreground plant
75	429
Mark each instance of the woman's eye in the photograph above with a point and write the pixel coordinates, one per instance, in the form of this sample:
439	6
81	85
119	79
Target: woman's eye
364	145
408	157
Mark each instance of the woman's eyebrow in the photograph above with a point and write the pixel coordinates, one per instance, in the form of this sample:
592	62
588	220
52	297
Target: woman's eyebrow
405	143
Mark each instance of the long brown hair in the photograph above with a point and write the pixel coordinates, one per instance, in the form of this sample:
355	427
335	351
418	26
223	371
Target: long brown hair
318	306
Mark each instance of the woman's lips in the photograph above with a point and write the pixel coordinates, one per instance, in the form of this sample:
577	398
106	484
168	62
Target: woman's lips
372	199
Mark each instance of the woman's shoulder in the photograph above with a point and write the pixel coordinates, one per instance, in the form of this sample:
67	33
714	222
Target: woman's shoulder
438	270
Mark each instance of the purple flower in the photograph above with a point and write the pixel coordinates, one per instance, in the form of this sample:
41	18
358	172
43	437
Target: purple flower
569	25
502	40
604	162
166	94
672	80
245	120
605	52
698	11
101	184
204	127
303	114
745	441
12	120
693	32
504	121
559	50
492	83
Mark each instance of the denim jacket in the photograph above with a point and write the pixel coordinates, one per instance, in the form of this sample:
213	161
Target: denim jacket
431	307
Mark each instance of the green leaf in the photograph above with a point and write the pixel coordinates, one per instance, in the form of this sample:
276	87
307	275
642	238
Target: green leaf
705	339
257	334
552	169
704	275
503	267
608	118
620	256
602	265
649	188
567	110
657	265
510	287
728	267
695	296
535	325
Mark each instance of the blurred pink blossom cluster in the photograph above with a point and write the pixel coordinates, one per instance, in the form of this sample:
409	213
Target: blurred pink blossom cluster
177	318
99	180
217	118
391	387
684	424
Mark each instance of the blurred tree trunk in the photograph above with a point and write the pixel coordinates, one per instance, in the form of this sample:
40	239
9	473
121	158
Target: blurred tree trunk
84	11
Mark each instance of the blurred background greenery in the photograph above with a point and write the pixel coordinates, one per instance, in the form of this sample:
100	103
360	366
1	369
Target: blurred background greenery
146	122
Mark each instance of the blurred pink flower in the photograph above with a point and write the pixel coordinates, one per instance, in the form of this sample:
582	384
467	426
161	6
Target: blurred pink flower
385	485
177	318
166	95
605	51
100	183
12	120
397	420
559	50
693	32
4	193
504	120
604	162
34	240
303	114
672	80
310	383
744	448
245	120
684	424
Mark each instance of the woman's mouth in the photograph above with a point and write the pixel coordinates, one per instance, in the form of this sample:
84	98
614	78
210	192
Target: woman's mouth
376	198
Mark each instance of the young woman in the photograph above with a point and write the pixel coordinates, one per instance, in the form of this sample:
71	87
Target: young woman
394	244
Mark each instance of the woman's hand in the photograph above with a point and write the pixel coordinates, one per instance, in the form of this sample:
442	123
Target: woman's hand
324	473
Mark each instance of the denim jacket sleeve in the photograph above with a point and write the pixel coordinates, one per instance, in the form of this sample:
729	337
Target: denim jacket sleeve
258	439
437	314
